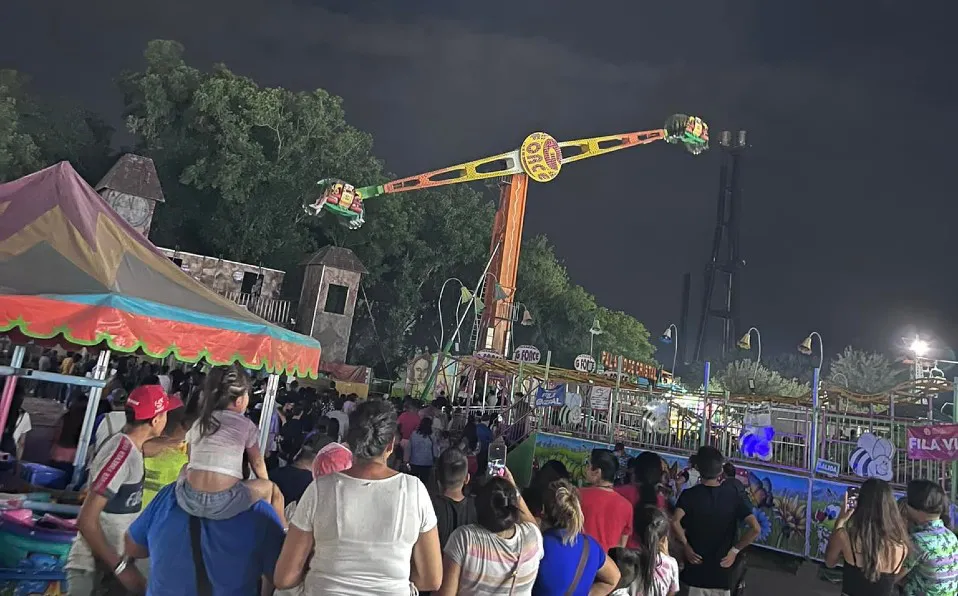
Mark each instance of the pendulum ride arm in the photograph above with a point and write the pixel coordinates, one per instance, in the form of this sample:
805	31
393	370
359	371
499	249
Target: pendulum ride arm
540	156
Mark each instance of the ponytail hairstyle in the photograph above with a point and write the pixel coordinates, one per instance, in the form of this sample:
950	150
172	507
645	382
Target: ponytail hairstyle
650	525
497	505
372	429
562	509
647	469
224	385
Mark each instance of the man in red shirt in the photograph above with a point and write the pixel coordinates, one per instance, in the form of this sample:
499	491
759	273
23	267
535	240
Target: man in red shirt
608	515
409	420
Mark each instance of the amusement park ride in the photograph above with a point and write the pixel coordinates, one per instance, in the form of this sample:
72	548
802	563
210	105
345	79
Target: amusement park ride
539	158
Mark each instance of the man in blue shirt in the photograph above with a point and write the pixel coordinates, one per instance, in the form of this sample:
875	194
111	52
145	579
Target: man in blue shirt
237	552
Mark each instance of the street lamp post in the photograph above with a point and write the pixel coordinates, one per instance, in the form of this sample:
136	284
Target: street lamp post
746	344
806	348
525	321
669	338
835	376
596	329
919	348
442	329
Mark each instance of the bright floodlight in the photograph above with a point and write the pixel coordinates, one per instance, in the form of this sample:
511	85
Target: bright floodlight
919	347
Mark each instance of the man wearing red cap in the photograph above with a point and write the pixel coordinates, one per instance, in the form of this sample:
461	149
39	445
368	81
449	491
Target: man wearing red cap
115	497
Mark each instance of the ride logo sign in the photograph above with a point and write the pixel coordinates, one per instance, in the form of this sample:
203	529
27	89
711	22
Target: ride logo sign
550	397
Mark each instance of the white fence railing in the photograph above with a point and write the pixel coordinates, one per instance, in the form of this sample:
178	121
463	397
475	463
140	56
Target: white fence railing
273	310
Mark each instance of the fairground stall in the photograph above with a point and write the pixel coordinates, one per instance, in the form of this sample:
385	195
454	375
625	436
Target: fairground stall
73	273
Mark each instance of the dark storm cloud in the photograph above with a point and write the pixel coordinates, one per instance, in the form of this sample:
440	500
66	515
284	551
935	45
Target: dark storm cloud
847	186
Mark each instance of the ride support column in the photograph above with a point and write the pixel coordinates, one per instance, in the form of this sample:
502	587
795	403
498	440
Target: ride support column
507	234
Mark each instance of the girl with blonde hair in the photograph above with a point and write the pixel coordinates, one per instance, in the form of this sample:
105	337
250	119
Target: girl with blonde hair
573	563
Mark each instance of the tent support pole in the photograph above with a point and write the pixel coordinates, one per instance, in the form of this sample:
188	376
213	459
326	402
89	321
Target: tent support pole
268	411
10	383
86	431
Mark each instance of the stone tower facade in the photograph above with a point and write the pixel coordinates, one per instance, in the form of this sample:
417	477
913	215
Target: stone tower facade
132	188
327	300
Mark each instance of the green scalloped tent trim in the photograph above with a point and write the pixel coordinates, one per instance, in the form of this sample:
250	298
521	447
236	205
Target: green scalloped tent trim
21	325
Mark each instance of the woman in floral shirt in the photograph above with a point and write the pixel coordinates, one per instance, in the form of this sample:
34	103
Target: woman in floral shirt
931	568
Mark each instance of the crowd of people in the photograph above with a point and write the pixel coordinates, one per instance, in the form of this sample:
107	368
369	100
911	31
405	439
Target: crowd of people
389	497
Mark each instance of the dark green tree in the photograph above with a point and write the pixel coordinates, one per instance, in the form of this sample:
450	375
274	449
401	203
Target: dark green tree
19	154
35	134
864	372
237	160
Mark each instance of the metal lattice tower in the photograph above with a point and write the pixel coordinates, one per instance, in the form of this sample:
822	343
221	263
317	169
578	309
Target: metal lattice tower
725	270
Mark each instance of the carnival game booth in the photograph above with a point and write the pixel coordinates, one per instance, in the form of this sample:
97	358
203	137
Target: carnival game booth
74	272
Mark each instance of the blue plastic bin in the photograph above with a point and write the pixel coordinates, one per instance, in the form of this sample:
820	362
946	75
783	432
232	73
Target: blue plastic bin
45	476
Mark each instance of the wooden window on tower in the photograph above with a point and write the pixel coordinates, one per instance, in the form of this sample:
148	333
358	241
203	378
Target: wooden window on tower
336	296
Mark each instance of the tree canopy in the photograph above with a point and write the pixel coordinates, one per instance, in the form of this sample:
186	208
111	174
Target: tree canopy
735	377
864	372
236	161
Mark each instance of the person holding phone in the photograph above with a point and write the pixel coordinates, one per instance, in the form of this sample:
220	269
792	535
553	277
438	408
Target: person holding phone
497	458
870	538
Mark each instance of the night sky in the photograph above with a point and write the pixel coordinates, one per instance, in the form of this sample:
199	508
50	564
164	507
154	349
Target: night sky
848	196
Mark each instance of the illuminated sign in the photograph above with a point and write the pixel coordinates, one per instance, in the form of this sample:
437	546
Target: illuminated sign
632	368
540	157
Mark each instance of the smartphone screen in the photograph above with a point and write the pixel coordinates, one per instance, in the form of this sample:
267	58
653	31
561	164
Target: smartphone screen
497	458
852	497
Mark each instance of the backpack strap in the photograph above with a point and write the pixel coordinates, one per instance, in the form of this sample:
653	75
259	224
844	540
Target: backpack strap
583	559
203	586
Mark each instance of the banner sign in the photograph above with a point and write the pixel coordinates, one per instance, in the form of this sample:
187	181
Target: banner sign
600	398
632	368
550	397
827	468
938	442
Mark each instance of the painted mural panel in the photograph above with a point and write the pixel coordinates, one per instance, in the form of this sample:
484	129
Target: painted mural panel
826	502
779	501
573	453
417	374
827	497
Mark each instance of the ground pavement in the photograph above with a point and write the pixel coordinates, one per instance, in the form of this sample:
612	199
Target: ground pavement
771	574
